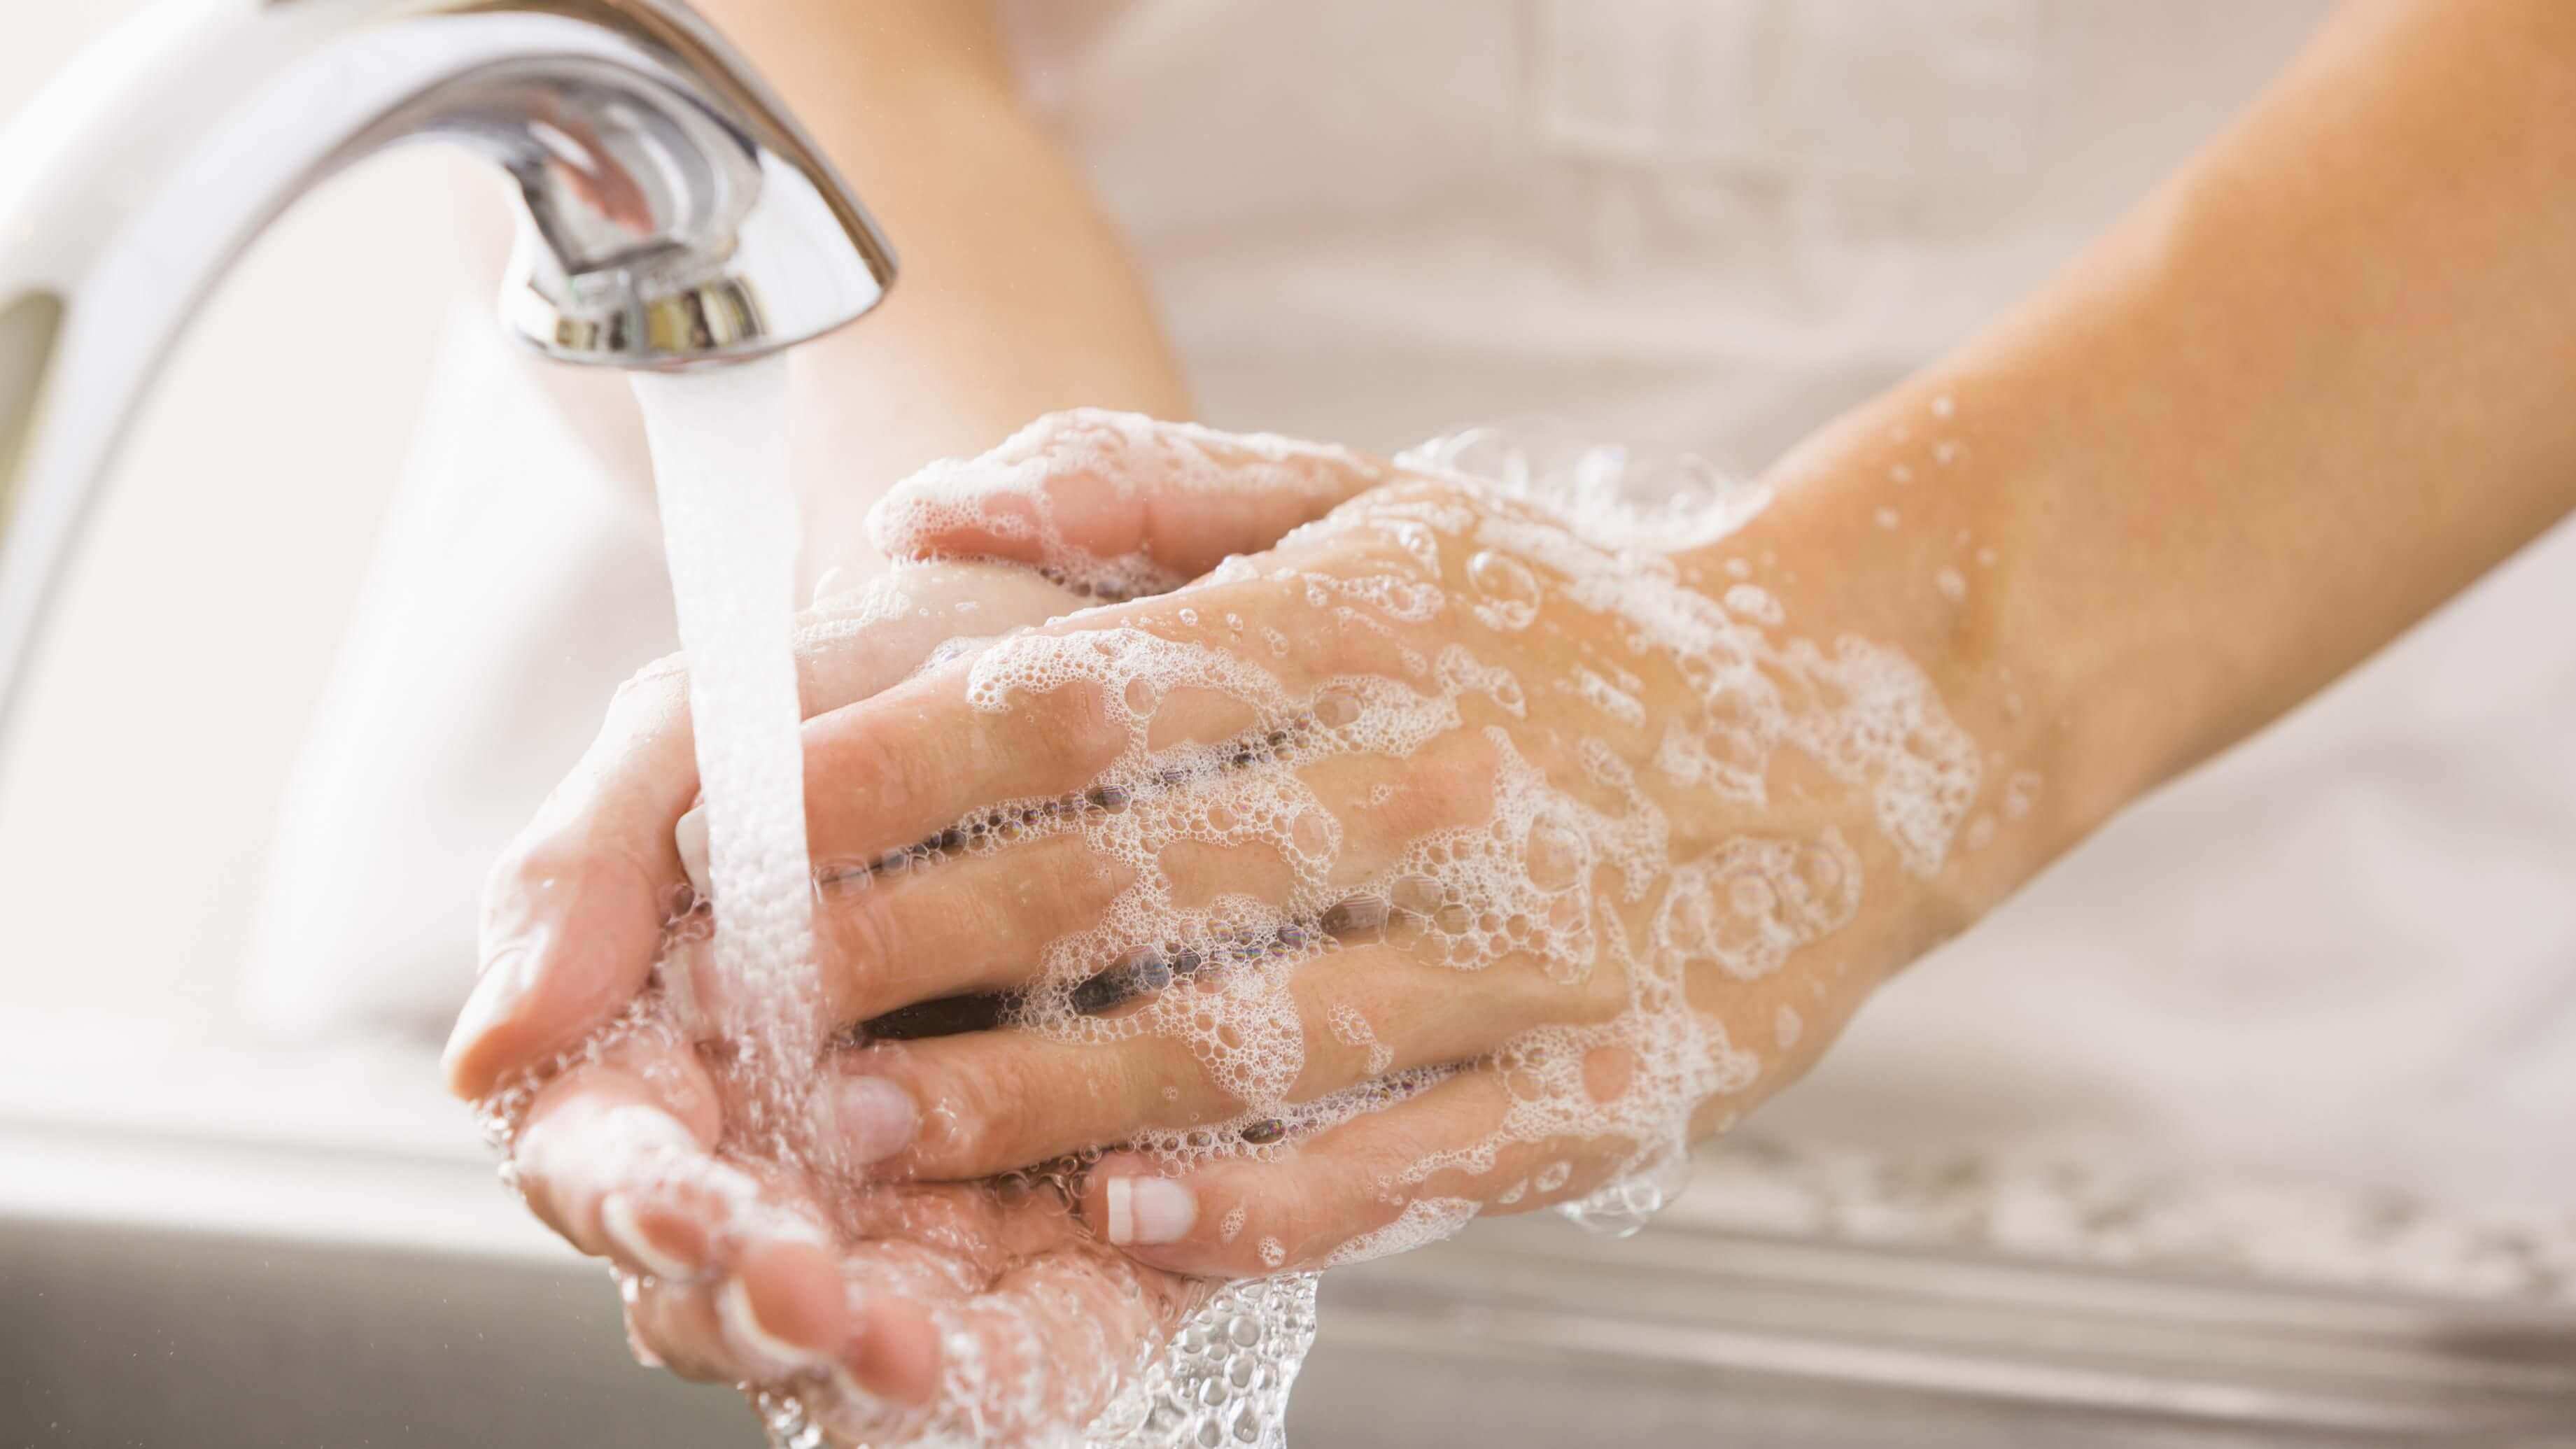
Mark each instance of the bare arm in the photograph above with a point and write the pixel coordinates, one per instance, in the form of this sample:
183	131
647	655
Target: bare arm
2319	382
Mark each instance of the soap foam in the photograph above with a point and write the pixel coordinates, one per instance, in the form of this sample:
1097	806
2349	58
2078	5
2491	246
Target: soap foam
1118	461
1537	851
1568	867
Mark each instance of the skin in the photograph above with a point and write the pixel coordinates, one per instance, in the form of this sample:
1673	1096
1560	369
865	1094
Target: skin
2307	391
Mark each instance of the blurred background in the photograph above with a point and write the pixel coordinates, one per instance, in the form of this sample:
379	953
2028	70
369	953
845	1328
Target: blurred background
139	790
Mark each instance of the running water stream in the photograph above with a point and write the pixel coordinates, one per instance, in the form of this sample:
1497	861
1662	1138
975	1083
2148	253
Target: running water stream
719	444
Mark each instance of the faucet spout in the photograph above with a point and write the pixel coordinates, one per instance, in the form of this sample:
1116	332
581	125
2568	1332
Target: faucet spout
672	216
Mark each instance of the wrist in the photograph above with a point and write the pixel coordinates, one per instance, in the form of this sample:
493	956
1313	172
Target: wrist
1914	523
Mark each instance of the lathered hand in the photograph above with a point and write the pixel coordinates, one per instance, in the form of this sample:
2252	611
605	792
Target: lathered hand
1448	857
1444	858
742	1263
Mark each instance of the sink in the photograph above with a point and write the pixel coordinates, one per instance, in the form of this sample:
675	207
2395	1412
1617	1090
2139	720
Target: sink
268	1293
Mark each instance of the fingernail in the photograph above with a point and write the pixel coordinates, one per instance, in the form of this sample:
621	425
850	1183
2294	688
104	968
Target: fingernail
618	1219
690	835
504	982
867	1119
768	1353
1147	1210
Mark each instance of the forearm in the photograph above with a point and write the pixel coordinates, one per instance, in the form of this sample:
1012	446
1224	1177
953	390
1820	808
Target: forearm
2316	385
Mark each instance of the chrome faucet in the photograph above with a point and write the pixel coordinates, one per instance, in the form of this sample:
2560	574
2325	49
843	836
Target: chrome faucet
673	214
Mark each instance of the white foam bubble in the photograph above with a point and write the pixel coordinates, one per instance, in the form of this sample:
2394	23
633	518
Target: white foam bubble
1113	463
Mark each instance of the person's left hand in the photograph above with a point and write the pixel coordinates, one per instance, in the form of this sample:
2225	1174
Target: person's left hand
879	1311
883	1313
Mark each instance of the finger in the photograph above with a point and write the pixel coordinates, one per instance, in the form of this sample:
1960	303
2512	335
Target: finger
951	926
1044	1321
978	905
921	928
635	1127
978	910
1384	1181
894	1350
784	1308
780	1309
852	643
767	1300
754	1291
1340	1019
672	1324
575	909
1067	1326
899	770
1186	683
1118	503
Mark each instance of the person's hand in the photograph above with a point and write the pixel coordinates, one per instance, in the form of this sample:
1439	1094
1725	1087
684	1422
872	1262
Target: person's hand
1435	862
879	1312
747	1267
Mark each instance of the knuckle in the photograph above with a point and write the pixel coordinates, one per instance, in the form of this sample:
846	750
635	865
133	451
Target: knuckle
1419	489
1070	728
653	685
1289	1224
540	865
863	935
1073	443
543	853
1051	430
984	1114
1600	994
1300	1224
653	699
556	865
